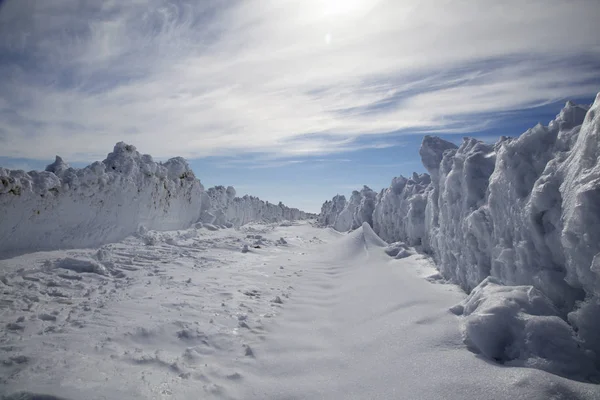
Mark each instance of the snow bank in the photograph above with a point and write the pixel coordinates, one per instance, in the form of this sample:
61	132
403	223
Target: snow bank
64	207
331	209
525	211
400	210
107	201
223	208
349	215
519	326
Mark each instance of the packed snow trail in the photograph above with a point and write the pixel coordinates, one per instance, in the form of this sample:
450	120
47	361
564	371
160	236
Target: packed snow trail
304	313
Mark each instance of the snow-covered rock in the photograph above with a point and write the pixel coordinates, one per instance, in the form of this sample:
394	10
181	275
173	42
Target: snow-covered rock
525	211
65	207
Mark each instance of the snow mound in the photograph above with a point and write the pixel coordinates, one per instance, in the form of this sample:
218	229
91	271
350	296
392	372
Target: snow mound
399	250
107	201
519	326
370	237
393	249
359	242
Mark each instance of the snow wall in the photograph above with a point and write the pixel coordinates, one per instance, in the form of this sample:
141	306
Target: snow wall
64	207
226	209
524	211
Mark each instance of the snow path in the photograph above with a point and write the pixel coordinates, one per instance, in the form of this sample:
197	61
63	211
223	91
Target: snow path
364	326
186	314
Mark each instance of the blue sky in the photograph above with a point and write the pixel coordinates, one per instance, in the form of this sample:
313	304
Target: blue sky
287	100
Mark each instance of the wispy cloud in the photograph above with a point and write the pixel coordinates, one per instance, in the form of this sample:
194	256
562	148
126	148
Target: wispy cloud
293	78
267	161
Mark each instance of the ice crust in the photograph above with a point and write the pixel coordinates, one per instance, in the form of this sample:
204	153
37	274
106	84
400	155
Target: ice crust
128	193
525	211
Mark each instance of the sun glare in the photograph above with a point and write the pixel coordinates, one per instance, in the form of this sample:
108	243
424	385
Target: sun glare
340	7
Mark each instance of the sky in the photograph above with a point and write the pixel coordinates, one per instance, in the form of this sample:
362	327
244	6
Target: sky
291	101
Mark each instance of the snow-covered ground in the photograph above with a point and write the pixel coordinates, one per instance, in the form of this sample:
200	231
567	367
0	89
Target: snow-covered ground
267	312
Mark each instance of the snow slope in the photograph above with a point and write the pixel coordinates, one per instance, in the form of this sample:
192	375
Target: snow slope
323	315
107	201
523	211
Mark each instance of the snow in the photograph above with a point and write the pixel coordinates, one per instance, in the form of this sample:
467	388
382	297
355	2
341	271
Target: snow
331	209
523	211
400	210
347	215
107	201
327	315
227	209
519	326
65	207
129	280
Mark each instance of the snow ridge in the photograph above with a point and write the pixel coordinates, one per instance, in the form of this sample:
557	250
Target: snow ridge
524	211
127	193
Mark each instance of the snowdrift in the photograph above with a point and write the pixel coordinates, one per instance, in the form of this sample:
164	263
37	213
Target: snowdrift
525	211
64	207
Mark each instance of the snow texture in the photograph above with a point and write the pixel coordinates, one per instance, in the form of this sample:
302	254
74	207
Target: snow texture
325	316
519	326
224	208
64	207
330	210
349	215
525	211
404	201
107	201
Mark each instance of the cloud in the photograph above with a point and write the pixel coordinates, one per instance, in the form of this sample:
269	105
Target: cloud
270	162
284	77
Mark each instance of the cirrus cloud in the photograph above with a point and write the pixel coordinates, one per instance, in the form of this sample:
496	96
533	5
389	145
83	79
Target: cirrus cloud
283	77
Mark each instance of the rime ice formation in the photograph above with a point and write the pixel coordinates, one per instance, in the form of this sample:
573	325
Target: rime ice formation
226	209
525	211
348	215
404	202
64	207
330	210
